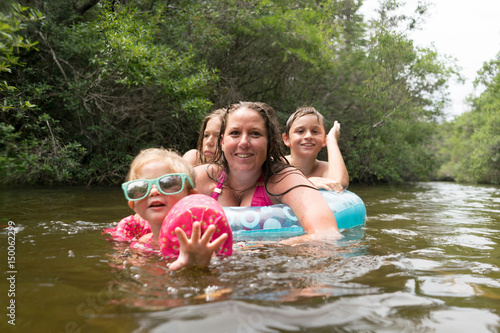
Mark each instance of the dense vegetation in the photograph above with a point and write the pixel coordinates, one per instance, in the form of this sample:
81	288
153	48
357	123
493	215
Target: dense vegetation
470	149
86	84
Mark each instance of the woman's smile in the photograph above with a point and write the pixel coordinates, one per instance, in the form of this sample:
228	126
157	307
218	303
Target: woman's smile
241	155
245	140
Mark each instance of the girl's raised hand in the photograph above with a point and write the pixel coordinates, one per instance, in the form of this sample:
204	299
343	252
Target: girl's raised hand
196	251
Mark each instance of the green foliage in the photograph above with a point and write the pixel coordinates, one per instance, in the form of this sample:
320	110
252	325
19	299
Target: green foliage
471	150
117	77
396	94
34	154
116	84
13	20
30	151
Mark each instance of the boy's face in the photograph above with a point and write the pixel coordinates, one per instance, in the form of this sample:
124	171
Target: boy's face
155	206
307	136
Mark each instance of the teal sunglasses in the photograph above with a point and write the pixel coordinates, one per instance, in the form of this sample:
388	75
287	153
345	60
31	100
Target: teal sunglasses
172	183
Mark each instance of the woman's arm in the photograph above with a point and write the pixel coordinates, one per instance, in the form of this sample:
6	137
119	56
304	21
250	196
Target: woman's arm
307	203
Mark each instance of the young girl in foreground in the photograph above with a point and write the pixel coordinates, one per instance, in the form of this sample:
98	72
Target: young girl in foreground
305	135
160	189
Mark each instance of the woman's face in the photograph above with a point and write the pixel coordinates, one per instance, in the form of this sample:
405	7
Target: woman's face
210	136
245	139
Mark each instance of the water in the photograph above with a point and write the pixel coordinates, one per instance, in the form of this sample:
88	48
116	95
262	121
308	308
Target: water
426	261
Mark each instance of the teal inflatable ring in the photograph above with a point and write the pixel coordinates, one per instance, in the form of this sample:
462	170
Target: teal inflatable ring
279	220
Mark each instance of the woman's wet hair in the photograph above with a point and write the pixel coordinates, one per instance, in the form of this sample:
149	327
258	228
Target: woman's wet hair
275	159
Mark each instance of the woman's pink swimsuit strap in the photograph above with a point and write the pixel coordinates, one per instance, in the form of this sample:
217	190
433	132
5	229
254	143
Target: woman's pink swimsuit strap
259	198
218	188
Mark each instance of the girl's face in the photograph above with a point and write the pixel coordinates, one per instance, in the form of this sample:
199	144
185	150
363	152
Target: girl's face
307	136
244	141
155	206
210	137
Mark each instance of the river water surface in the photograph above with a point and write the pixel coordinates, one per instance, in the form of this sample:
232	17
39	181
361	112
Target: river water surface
427	260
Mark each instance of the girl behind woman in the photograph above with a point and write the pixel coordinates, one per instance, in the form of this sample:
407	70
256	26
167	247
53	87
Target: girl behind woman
207	140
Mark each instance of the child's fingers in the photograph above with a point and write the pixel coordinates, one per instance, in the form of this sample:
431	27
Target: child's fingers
335	131
331	186
181	236
324	186
219	241
208	234
196	231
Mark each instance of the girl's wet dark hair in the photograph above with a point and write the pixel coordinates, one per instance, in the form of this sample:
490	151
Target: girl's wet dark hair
200	158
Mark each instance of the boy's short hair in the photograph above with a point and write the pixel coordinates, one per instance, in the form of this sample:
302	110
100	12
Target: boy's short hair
300	112
176	164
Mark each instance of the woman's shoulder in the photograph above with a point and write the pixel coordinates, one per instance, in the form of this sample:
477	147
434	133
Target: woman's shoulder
207	176
209	170
286	174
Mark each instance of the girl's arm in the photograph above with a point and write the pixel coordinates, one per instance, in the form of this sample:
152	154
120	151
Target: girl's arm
336	166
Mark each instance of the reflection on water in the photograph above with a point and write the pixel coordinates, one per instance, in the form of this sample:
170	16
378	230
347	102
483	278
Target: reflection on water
426	261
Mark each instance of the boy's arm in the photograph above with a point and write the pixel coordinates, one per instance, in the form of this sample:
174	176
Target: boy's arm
336	166
327	184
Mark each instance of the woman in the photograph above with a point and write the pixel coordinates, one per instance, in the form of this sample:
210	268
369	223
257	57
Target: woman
249	169
207	140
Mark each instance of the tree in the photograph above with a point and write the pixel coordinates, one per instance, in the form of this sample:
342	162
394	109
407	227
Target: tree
30	147
114	77
473	139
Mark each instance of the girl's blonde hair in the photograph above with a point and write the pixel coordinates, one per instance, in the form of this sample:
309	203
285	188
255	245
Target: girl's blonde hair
175	163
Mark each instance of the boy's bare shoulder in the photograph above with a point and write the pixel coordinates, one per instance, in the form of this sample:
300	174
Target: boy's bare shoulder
321	169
